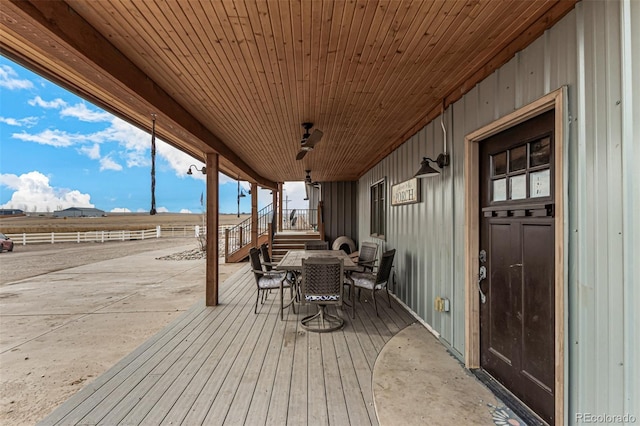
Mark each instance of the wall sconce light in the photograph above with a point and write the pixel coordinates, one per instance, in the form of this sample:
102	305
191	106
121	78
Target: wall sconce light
241	194
443	159
203	169
427	171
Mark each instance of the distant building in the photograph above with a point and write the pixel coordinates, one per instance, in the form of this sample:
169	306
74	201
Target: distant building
79	212
11	212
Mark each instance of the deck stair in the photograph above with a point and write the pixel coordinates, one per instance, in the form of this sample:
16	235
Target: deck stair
285	241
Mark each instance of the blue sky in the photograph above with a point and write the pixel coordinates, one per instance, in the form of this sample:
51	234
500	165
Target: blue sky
58	151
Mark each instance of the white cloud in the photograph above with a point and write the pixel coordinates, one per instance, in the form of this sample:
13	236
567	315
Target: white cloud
121	210
19	122
9	79
162	210
92	152
33	192
185	211
82	113
57	138
106	163
56	103
296	193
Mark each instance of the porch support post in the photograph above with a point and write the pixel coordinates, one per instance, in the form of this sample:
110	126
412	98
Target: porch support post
280	207
276	210
211	298
254	214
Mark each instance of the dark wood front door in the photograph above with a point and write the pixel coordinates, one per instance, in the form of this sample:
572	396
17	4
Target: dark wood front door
517	320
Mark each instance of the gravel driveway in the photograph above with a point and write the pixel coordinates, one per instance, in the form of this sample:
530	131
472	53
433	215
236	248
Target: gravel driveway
29	260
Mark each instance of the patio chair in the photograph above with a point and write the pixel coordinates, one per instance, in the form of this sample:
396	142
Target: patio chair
266	258
321	284
375	281
316	245
267	280
367	257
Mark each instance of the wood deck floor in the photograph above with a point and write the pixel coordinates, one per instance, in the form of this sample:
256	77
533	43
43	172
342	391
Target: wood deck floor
227	365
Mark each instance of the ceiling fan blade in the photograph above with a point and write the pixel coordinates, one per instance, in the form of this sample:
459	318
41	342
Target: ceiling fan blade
301	154
313	139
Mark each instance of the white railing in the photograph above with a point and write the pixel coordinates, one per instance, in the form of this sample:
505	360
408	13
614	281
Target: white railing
187	231
84	236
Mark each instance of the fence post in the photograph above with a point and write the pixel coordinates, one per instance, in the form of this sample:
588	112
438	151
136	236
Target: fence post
102	237
78	237
24	238
158	231
197	231
52	238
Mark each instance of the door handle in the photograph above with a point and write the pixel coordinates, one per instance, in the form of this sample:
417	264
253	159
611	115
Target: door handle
481	276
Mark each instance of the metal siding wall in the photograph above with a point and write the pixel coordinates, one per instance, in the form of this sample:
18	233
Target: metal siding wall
584	52
340	210
631	199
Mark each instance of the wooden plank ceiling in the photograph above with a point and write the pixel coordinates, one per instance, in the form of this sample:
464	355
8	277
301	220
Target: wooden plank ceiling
239	77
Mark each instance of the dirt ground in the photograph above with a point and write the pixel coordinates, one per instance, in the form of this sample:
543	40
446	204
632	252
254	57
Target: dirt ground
70	311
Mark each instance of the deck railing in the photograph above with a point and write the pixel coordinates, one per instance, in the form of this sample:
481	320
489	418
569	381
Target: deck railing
239	235
300	220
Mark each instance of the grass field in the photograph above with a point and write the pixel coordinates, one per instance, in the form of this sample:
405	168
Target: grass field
113	221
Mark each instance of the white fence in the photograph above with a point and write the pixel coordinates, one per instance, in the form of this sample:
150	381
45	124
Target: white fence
84	236
192	231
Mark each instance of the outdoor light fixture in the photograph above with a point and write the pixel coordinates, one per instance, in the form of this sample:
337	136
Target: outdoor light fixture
443	159
203	169
425	168
241	194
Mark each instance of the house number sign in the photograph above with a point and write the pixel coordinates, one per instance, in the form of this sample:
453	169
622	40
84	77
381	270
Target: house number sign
407	192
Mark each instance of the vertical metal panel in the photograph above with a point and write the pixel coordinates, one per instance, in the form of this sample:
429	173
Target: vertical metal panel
631	199
585	52
340	210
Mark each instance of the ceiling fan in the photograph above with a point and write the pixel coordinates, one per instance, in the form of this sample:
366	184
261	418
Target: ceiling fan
309	140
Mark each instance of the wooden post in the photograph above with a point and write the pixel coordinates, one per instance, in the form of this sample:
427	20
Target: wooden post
254	214
274	203
211	296
226	245
320	221
269	229
279	206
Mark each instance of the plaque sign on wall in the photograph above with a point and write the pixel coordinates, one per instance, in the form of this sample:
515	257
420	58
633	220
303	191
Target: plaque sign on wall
407	192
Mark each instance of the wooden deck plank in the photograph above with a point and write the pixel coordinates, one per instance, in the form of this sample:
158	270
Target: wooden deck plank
227	365
154	406
317	406
255	388
141	397
205	399
203	367
279	404
241	378
335	392
349	355
298	395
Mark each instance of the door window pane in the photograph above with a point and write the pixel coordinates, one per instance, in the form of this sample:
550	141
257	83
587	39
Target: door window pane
540	184
540	152
518	158
499	164
499	192
518	187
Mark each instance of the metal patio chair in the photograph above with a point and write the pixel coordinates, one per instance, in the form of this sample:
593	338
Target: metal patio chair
268	280
375	281
316	245
321	284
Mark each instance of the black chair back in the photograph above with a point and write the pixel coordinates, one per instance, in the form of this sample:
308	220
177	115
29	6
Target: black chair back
264	249
384	270
316	245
